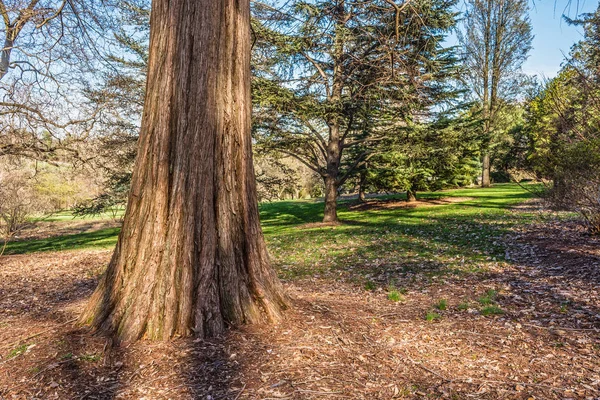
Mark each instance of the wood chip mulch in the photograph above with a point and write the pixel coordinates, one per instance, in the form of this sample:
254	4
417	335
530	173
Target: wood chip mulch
339	341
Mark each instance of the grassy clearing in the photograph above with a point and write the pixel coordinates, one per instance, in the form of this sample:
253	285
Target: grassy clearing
434	240
101	239
66	216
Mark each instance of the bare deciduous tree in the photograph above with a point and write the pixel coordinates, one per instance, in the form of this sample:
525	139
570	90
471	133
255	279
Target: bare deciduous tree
496	40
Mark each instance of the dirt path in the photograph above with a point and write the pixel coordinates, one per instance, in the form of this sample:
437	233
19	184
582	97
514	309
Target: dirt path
339	341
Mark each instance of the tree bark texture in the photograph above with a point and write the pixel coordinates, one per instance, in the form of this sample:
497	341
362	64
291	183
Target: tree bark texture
191	258
331	194
485	173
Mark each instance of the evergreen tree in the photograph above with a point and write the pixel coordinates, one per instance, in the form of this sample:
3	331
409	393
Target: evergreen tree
324	70
428	156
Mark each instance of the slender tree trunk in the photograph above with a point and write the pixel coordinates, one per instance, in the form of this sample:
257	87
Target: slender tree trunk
361	187
411	196
361	194
191	258
334	154
331	193
334	144
485	173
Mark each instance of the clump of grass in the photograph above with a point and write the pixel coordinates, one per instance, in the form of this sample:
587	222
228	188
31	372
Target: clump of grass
432	316
491	310
488	301
489	297
564	306
441	304
463	306
370	286
17	351
395	296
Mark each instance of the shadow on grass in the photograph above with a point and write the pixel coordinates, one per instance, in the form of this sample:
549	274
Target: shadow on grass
101	239
400	244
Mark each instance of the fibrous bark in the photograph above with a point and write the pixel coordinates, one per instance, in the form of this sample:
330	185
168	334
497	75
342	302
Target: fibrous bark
191	258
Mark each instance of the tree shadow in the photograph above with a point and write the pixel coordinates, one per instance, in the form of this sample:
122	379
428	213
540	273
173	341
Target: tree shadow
231	367
102	239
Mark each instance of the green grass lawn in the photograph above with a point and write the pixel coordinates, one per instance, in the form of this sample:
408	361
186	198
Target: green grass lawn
66	215
454	238
101	239
435	240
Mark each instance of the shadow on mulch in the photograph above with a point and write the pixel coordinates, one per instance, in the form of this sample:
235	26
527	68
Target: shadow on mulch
391	204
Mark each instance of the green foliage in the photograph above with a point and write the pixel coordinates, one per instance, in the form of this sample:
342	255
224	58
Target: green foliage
463	306
17	351
491	310
112	200
90	357
428	156
332	81
488	298
395	296
432	316
488	301
563	123
441	304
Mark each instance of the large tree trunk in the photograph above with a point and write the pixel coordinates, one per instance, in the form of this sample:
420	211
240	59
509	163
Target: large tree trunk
485	173
191	257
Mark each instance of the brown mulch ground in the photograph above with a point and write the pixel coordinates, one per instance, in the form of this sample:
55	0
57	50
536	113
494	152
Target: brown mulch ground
339	341
390	204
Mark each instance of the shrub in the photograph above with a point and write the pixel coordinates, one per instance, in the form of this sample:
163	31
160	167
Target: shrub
577	182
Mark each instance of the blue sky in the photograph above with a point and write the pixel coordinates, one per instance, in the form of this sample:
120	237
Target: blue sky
553	36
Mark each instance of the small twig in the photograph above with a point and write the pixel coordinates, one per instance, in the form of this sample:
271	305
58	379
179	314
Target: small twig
472	380
393	315
37	334
420	365
559	328
240	392
482	334
316	392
